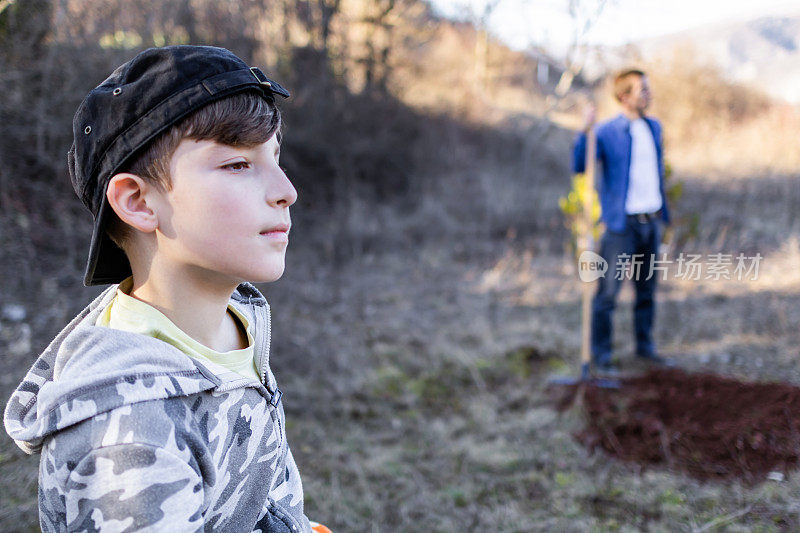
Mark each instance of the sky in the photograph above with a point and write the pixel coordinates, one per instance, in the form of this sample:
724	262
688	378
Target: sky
522	23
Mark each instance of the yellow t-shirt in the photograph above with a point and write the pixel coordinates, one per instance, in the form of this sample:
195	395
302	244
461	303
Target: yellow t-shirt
126	313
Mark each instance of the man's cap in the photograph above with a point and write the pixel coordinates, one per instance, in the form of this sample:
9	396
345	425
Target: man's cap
139	100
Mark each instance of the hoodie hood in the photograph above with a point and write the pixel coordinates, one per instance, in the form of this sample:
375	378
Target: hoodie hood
88	370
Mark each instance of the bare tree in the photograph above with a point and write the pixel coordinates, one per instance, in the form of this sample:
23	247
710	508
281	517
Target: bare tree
482	42
378	44
584	15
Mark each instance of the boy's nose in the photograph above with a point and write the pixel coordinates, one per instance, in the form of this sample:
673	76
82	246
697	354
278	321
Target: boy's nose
282	193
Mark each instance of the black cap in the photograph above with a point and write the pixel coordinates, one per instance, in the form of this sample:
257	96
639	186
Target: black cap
138	101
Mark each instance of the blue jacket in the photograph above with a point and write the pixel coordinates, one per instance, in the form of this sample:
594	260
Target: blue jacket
614	154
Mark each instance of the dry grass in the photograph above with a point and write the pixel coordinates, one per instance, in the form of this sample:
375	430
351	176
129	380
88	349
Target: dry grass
448	423
415	371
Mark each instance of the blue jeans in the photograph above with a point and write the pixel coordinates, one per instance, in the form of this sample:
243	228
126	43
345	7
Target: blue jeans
638	238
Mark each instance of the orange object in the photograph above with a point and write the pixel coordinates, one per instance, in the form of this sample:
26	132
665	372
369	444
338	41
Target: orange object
319	528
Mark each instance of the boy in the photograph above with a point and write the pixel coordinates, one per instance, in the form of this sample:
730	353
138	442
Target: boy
155	409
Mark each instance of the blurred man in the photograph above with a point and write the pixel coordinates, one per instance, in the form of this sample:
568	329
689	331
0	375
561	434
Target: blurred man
633	206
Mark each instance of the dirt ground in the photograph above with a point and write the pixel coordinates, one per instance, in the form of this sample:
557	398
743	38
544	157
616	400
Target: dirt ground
712	427
416	385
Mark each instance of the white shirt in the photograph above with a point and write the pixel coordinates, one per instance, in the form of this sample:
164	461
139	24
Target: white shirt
644	194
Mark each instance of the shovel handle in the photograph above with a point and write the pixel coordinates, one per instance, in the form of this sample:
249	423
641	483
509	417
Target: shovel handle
586	299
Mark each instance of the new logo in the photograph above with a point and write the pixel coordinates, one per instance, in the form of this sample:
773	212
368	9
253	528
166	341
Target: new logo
591	266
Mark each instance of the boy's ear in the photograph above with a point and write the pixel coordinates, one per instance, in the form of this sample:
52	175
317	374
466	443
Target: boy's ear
127	195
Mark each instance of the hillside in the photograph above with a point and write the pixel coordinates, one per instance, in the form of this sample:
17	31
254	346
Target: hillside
763	52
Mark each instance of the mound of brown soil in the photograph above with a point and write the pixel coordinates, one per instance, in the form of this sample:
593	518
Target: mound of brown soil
706	425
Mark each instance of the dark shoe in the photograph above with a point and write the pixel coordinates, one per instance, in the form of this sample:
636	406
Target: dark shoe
607	370
657	360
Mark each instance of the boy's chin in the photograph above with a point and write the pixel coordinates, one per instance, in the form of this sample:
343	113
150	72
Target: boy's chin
268	275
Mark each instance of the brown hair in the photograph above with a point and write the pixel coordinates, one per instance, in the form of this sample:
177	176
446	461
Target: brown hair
244	119
623	82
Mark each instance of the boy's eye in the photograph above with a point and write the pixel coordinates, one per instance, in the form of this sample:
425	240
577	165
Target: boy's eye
237	165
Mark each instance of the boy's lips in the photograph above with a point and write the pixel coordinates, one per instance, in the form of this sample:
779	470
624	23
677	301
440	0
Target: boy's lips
281	231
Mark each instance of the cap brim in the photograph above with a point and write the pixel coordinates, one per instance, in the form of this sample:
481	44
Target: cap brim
107	262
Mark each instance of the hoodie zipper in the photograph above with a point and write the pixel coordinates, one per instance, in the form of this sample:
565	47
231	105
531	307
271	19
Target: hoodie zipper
267	343
277	394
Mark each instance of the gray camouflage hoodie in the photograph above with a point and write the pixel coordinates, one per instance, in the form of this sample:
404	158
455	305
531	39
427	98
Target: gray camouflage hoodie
137	436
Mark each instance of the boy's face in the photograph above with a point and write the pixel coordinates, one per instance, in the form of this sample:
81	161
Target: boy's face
638	100
226	218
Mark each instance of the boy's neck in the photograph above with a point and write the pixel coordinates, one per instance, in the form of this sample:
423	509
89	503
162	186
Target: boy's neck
197	306
632	113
